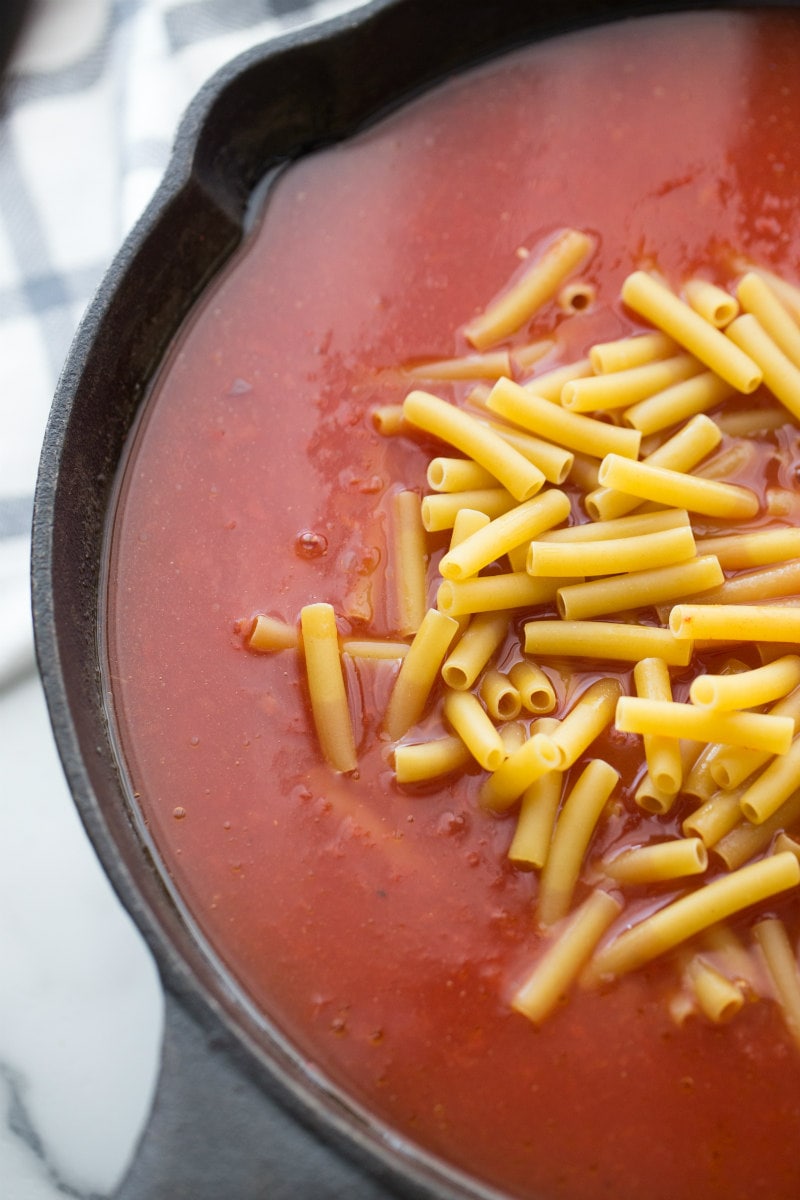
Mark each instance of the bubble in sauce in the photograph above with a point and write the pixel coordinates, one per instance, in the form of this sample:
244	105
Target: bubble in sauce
310	544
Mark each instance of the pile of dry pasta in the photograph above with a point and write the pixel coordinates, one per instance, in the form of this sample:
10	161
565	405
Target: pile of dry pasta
585	508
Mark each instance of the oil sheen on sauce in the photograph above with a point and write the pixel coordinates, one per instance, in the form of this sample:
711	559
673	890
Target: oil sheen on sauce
382	929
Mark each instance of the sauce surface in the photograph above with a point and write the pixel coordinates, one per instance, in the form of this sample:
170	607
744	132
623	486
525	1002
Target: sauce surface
382	928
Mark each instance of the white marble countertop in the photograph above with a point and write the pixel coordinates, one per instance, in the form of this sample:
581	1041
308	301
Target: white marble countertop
80	1003
94	96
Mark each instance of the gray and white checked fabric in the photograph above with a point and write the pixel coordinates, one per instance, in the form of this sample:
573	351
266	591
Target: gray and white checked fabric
90	105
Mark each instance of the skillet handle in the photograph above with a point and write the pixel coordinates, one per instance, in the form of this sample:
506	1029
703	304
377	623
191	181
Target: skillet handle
213	1134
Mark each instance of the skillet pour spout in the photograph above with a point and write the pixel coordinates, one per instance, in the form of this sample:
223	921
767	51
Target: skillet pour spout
238	1115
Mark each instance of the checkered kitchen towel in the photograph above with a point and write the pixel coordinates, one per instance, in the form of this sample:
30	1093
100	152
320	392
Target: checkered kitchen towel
91	102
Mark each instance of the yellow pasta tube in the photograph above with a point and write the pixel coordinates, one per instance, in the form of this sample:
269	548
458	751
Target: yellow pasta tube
555	462
715	818
781	963
525	357
692	913
463	711
554	423
514	735
388	419
536	819
502	700
776	783
632	351
562	962
767	583
518	557
416	762
687	398
682	1006
505	532
534	829
780	374
269	634
650	298
439	511
782	503
467	366
418	672
732	461
592	712
651	798
639	589
631	526
458	475
747	840
662	754
611	555
744	422
467	522
326	686
785	841
731	957
698	781
484	634
549	384
623	388
664	486
736	622
735	763
376	648
457	427
576	297
410	561
788	293
713	303
757	297
574	829
524	766
604	639
539	283
719	998
761	731
687	445
658	862
535	689
738	551
681	452
747	689
487	593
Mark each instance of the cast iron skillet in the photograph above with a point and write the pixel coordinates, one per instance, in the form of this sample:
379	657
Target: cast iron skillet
237	1116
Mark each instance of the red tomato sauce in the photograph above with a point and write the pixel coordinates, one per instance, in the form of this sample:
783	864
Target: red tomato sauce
381	928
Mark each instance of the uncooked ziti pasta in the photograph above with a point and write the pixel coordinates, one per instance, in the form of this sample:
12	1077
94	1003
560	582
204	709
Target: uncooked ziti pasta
652	558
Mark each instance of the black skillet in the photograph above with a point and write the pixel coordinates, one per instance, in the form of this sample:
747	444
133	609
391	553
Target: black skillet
13	16
236	1116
